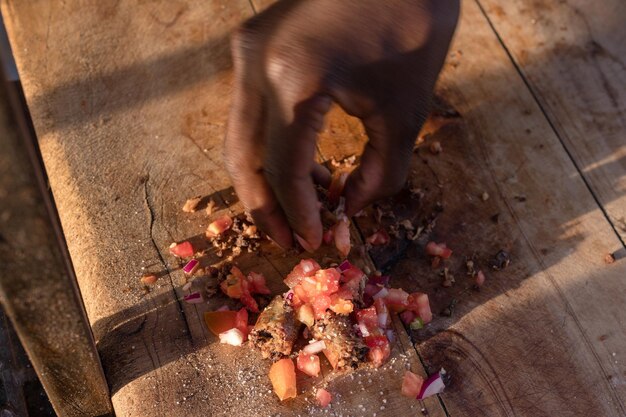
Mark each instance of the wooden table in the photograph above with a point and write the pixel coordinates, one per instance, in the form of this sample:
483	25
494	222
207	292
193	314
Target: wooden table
129	101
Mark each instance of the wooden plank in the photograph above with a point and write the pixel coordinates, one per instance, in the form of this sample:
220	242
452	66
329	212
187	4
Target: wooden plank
129	128
571	53
37	292
546	335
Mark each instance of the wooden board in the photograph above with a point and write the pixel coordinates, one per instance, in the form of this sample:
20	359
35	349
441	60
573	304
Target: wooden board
37	292
546	335
571	53
129	128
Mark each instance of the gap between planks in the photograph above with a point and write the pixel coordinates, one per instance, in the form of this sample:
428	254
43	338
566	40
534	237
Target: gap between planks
534	95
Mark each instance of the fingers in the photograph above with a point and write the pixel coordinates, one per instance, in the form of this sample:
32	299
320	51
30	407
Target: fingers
290	166
384	164
244	148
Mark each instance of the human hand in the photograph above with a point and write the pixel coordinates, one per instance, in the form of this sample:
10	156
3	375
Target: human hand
378	60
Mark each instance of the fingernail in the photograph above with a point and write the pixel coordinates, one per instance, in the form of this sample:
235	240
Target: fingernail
304	244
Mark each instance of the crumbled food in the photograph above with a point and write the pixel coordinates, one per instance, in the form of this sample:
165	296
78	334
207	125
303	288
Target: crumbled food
484	196
500	261
438	249
192	204
448	278
378	238
435	147
210	207
609	258
469	264
148	279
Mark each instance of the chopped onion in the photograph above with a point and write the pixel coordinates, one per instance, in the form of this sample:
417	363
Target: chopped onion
307	266
345	265
223	308
191	267
381	294
391	336
382	319
363	329
314	347
289	295
433	385
232	337
193	298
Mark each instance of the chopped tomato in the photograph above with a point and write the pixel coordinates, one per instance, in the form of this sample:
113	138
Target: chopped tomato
337	183
438	249
257	283
305	315
378	238
241	322
182	249
384	318
352	273
411	384
418	303
231	286
332	357
306	268
219	226
340	305
320	304
342	236
300	296
323	397
220	321
283	377
249	302
368	318
396	299
379	349
327	281
308	363
407	317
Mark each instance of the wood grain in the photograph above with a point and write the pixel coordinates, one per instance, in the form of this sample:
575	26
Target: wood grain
38	293
544	336
130	125
571	53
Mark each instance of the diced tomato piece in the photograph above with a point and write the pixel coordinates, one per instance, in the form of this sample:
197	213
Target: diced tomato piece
342	236
407	317
231	286
438	249
219	226
308	363
249	302
340	305
332	357
305	315
327	281
419	304
283	377
241	322
368	318
182	249
323	397
337	183
220	321
411	384
384	318
397	299
257	283
378	238
300	296
328	237
379	349
306	268
320	304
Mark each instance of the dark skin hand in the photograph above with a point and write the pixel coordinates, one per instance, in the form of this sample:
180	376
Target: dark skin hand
378	60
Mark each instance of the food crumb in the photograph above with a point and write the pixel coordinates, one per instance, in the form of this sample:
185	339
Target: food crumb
149	279
210	207
435	147
191	204
609	258
485	196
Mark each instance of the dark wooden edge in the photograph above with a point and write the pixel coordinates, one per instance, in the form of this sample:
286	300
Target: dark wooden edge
54	330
